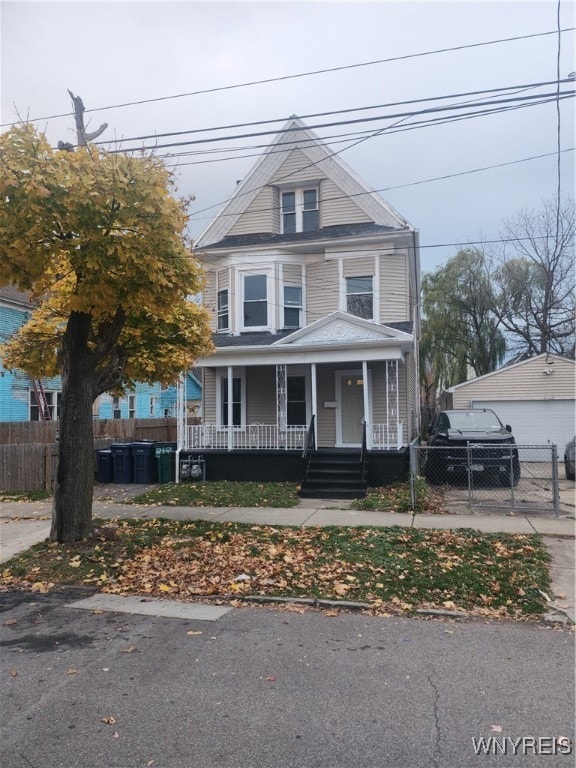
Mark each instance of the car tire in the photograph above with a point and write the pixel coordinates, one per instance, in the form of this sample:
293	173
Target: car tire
505	476
570	474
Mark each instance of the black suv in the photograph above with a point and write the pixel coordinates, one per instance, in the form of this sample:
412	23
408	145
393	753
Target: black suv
453	435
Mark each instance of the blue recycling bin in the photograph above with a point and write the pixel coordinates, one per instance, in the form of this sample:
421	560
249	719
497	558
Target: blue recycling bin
104	466
145	465
122	462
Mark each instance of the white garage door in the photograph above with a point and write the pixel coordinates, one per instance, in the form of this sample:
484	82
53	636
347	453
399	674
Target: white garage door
536	422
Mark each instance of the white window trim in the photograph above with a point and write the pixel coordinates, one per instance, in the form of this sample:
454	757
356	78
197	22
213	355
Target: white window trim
268	272
223	313
53	407
299	205
238	373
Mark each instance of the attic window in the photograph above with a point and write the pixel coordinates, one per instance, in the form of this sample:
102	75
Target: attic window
299	211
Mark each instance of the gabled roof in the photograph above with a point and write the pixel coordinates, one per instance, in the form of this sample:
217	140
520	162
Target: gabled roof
341	328
11	295
512	366
295	136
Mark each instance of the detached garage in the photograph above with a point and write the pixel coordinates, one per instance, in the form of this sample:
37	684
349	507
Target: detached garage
536	397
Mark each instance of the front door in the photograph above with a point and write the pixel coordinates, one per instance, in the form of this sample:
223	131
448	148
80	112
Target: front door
351	408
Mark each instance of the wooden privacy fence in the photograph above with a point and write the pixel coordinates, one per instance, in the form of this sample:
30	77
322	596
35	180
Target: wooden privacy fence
29	449
32	467
162	430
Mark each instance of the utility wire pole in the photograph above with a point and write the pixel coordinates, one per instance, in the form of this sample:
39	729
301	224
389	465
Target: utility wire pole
82	136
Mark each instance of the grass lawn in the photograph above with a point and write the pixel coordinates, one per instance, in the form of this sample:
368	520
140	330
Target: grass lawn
221	494
392	569
393	498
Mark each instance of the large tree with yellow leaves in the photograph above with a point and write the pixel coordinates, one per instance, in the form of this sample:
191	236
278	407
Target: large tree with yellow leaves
98	240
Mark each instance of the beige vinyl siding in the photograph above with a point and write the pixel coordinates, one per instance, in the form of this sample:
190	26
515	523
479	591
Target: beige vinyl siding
296	169
258	217
292	274
358	267
209	297
321	290
337	208
261	395
209	396
525	381
276	215
378	380
394	288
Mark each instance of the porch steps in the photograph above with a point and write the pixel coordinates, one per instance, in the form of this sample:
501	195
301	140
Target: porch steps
334	474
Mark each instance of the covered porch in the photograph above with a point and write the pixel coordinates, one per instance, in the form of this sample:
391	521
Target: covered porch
275	407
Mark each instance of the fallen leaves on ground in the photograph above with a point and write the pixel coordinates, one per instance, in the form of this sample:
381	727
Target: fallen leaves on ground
398	569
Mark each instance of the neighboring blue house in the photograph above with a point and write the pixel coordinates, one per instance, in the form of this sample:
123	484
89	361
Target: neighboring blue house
17	395
193	397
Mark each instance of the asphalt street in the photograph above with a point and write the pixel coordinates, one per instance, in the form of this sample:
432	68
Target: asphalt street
267	688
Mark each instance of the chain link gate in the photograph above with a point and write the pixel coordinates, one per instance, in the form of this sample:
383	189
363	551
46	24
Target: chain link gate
507	478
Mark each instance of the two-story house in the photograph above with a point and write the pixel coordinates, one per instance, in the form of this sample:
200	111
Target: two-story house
313	280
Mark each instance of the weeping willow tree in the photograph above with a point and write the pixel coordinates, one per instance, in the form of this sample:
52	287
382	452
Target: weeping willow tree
461	333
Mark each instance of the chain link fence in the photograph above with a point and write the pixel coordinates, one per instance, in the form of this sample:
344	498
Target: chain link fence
515	478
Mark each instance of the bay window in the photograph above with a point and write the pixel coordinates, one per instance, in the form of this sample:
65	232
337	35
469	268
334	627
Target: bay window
255	301
292	306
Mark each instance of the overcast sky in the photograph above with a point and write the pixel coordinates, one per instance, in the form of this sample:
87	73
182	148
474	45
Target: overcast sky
113	53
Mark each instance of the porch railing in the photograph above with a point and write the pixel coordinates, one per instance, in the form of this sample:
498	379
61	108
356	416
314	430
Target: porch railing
250	436
384	437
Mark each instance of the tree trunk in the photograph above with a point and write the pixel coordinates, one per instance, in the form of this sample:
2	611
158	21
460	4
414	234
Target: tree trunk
72	512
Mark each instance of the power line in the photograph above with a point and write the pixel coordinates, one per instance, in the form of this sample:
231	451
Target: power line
299	170
342	138
342	122
521	87
308	74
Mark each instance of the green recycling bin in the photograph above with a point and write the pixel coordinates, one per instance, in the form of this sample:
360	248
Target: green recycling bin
166	461
166	466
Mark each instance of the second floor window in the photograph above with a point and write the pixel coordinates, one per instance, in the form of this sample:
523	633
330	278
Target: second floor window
292	306
131	406
299	211
223	322
116	408
360	297
255	301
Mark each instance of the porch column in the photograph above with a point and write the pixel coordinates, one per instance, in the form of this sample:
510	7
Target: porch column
391	402
367	396
314	401
230	408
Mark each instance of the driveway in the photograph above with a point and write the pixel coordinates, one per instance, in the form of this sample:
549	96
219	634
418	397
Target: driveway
534	493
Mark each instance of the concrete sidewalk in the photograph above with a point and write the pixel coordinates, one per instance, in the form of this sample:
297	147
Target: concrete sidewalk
23	524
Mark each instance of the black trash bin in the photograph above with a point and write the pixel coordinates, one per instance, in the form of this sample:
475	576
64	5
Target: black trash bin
122	463
104	466
145	467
